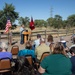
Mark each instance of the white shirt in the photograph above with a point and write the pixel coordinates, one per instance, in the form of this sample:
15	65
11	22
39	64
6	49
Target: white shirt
21	29
37	42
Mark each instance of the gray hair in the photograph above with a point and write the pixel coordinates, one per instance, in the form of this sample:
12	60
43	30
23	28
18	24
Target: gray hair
3	45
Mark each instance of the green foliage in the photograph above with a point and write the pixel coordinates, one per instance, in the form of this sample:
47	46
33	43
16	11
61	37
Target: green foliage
40	23
49	21
1	25
8	11
64	24
58	17
24	21
55	22
14	26
71	20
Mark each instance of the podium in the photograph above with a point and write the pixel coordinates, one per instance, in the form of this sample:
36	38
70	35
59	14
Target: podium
25	36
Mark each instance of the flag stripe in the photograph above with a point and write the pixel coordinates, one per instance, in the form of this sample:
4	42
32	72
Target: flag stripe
8	24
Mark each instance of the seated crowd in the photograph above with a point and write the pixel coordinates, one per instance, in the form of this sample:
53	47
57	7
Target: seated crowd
60	61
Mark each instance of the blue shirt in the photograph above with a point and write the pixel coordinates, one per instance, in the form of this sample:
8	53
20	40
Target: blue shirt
64	43
73	64
26	52
5	54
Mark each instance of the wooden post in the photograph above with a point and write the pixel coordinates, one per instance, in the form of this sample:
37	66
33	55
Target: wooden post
8	36
58	32
66	32
30	36
73	31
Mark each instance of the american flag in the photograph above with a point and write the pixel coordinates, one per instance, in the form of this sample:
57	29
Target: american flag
8	25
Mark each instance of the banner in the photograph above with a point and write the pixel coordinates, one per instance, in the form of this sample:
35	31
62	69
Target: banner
32	24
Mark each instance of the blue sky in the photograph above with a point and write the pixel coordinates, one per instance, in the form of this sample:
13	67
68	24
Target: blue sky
40	9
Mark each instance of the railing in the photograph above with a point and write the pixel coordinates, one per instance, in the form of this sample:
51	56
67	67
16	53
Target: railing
55	33
44	33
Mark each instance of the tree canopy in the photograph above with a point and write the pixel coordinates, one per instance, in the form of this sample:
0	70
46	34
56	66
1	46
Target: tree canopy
8	11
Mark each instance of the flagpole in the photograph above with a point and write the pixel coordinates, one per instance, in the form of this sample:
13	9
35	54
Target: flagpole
8	27
30	36
8	36
31	25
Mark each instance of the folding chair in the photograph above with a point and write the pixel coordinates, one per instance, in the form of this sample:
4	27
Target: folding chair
44	55
14	51
29	57
5	65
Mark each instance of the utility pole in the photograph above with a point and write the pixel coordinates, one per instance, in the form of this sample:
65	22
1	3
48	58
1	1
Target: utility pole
51	12
51	15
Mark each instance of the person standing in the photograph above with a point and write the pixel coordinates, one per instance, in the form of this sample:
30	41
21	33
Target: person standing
22	28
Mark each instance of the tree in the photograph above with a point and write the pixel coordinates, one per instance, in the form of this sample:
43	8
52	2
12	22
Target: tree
58	17
14	26
55	22
64	24
24	21
71	20
40	23
58	20
50	21
8	11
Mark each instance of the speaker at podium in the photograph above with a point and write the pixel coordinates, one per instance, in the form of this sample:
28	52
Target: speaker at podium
26	35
